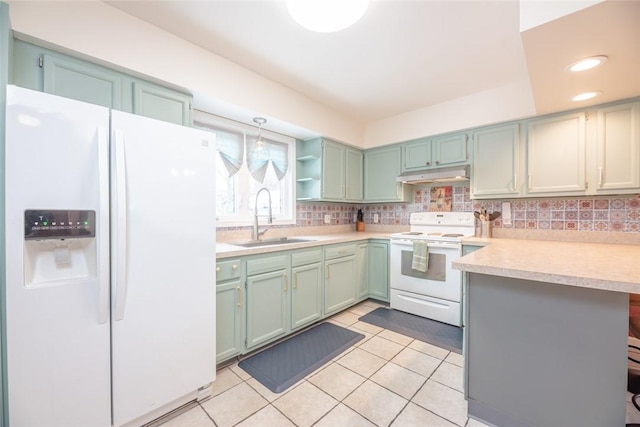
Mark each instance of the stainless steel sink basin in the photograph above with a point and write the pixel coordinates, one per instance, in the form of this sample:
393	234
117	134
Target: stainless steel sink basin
268	242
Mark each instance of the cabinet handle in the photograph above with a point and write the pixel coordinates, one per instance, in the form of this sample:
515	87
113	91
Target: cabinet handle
295	280
515	182
600	177
529	183
328	271
286	282
347	191
239	296
235	267
428	163
217	269
437	162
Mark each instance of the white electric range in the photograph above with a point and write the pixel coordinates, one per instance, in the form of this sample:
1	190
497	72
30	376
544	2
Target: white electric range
436	293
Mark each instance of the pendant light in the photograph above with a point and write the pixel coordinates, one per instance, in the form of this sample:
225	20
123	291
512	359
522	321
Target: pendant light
260	151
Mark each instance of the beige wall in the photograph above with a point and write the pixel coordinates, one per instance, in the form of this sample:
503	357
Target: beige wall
100	32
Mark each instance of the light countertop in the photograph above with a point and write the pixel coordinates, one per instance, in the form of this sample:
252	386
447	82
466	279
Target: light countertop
611	267
228	249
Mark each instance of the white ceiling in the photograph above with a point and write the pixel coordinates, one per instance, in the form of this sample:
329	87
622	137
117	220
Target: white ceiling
402	55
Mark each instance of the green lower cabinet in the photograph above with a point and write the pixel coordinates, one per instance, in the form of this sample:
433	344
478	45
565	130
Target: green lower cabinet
362	274
229	316
339	284
378	270
306	294
267	296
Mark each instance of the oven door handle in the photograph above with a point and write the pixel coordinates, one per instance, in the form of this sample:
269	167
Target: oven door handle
437	245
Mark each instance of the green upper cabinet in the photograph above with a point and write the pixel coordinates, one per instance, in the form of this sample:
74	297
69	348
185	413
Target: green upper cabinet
333	170
416	155
72	78
381	168
37	68
354	174
496	169
450	149
328	171
556	155
617	168
161	103
438	151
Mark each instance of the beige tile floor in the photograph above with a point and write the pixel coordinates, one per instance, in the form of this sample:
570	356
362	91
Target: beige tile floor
386	379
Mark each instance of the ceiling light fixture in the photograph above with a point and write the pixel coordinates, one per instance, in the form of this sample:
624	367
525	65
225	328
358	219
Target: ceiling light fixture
587	63
327	16
586	95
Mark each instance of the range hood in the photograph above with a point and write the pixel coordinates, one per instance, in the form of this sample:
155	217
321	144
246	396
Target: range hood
435	175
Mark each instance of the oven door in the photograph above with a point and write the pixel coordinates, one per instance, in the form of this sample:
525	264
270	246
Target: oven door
439	281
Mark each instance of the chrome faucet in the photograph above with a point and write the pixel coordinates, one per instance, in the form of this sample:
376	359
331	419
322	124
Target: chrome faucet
256	232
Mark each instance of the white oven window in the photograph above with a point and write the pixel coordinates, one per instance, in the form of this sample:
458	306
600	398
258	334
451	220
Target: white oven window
436	269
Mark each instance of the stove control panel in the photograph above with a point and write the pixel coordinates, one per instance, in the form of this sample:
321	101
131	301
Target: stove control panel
442	218
59	224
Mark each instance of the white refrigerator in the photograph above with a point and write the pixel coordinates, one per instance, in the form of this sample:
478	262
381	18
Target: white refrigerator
110	278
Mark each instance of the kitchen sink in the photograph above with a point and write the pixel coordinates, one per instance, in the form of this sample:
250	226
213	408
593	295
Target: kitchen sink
269	242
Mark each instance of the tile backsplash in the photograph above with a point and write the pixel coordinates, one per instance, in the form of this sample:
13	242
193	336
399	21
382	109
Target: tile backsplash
600	214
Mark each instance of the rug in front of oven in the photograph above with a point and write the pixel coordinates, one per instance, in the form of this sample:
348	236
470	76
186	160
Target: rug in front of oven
430	331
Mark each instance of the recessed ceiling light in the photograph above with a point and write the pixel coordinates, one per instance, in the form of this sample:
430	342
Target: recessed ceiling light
327	16
586	95
587	63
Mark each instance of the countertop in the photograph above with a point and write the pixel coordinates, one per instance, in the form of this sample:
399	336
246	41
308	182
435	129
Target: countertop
228	249
611	267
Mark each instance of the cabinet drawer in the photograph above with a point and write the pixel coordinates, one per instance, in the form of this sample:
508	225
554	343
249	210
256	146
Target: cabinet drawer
226	270
266	264
339	251
306	257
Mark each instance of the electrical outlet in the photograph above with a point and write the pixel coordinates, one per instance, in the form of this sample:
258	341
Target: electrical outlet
354	218
376	218
327	219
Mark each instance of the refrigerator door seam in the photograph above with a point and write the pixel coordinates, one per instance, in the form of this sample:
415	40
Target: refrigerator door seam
121	227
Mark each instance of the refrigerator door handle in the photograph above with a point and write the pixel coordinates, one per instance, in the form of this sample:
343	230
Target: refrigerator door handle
121	227
103	176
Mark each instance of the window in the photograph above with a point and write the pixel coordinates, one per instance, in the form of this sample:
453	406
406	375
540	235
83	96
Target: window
244	167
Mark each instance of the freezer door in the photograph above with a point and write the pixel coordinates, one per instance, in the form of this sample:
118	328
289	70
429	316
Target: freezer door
163	270
57	298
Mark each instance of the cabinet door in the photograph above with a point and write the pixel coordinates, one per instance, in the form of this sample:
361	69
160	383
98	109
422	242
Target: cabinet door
339	284
161	104
450	149
306	294
416	155
362	276
229	311
556	155
266	307
381	168
618	141
333	168
379	270
82	81
354	162
496	160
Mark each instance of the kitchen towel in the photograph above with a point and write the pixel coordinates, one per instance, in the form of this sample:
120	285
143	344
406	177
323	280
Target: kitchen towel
420	261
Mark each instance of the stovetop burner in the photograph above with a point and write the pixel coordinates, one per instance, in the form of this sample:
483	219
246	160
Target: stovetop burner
452	235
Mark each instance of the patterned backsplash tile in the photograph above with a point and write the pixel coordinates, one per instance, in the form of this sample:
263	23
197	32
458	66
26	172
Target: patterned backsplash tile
616	213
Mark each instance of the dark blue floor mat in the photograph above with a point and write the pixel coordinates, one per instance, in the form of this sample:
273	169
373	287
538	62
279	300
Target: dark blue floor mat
286	363
439	334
